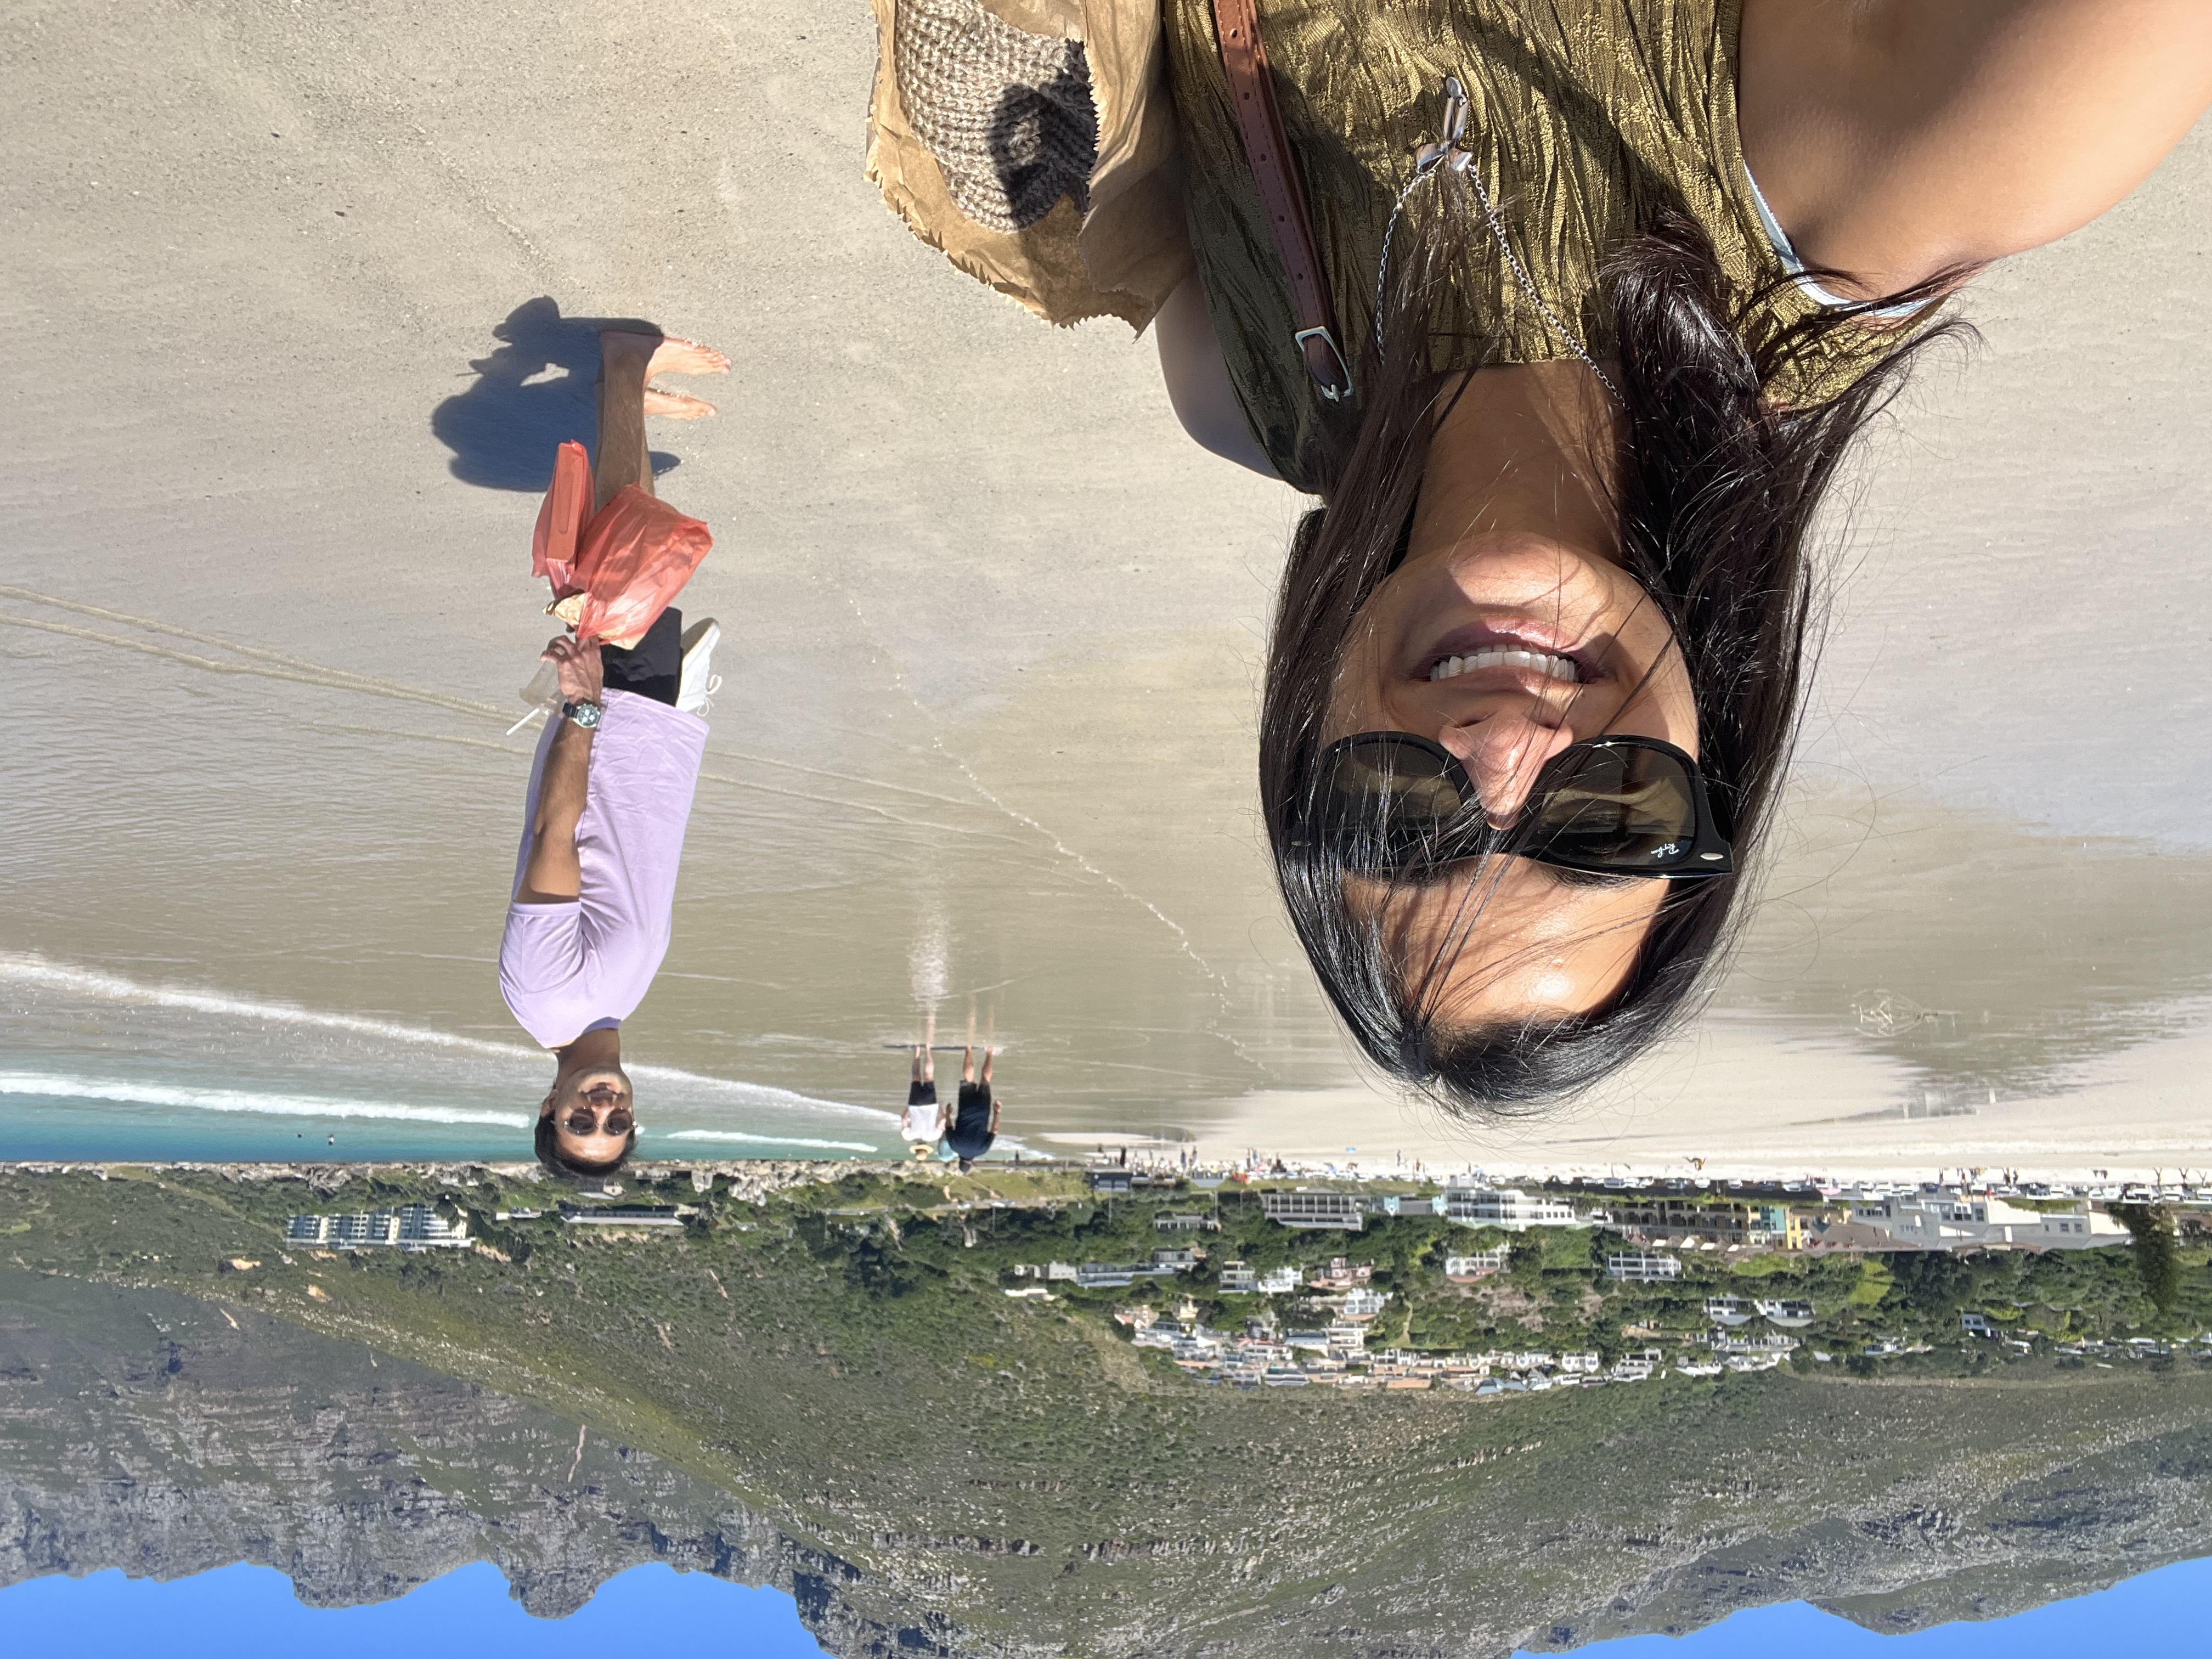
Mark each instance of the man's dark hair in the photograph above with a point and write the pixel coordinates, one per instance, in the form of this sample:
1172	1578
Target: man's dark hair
1718	483
550	1155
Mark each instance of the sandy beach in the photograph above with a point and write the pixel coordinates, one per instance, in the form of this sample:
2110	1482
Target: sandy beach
295	341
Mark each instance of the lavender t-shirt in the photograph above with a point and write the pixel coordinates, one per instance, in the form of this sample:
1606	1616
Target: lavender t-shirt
570	967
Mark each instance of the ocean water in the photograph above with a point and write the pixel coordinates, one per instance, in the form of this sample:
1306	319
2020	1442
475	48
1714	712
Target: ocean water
96	1065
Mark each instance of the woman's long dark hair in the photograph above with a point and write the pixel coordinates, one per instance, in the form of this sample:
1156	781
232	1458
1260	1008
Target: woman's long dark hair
1717	483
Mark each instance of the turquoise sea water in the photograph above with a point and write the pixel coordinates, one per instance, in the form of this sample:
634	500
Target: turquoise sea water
98	1065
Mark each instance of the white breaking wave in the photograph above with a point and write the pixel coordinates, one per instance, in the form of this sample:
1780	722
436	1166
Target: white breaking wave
90	982
235	1100
758	1094
25	970
770	1140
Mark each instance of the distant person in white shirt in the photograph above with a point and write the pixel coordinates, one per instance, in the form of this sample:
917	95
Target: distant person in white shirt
610	795
925	1120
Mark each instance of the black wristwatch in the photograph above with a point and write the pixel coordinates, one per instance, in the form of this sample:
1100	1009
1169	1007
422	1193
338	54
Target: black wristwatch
585	714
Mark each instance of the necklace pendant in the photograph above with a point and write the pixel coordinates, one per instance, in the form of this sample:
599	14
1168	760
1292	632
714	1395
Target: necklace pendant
1457	110
1449	150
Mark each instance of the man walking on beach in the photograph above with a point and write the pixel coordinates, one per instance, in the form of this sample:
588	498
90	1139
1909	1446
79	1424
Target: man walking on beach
976	1124
609	796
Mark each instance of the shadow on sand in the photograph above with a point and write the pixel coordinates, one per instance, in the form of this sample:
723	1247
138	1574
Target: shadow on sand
529	396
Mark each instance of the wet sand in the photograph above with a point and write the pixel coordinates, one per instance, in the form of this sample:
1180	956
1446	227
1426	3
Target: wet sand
991	625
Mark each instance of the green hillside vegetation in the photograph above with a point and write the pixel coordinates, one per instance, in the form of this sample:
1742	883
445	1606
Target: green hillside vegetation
1553	1294
839	1358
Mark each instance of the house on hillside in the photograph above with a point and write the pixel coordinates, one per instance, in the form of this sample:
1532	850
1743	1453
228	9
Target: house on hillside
1465	1269
1336	1211
411	1227
1642	1267
1403	1203
1111	1275
626	1215
1508	1207
1237	1280
1364	1304
1829	1237
1790	1315
1341	1275
1942	1221
1731	1226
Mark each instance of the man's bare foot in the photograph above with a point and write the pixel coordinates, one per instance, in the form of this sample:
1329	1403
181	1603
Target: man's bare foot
676	406
678	356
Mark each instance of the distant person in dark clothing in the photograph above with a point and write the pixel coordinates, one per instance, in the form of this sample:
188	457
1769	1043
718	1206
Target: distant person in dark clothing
976	1124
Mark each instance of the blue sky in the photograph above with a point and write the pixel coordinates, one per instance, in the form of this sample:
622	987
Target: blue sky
243	1611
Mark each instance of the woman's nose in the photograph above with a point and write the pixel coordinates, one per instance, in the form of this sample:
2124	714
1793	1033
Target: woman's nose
1503	753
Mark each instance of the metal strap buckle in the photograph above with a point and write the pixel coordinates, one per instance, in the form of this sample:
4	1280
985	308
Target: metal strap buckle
1340	392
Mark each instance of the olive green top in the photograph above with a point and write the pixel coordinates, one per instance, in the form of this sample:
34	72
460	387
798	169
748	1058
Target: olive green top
1588	117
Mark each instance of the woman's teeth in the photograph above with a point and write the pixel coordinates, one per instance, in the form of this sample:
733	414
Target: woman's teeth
1508	656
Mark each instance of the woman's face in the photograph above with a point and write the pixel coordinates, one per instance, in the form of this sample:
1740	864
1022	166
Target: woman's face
1505	646
593	1114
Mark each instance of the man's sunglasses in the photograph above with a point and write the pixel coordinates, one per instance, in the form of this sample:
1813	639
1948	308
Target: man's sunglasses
1615	806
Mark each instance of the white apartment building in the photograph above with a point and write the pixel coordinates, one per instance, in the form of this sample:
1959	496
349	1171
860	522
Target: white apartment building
410	1227
1336	1211
1942	1221
1643	1267
1508	1207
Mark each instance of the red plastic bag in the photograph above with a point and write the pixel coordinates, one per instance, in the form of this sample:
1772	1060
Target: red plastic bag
613	576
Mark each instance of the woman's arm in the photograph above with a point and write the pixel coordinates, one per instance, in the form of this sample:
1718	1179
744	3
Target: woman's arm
1895	139
1198	379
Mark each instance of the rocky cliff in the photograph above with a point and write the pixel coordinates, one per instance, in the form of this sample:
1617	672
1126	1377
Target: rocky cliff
147	1432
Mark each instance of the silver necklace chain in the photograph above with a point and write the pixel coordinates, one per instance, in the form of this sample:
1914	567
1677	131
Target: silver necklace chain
1450	152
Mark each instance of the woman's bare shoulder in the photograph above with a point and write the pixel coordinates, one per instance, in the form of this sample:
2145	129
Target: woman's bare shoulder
1895	139
1197	383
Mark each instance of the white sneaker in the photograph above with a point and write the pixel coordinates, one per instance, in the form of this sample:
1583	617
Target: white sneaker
695	691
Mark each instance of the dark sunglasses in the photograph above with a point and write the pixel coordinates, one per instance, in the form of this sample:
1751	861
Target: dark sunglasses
1615	806
585	1120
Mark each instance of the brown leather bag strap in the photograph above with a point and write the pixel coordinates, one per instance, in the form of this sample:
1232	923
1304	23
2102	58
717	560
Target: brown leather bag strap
1244	60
